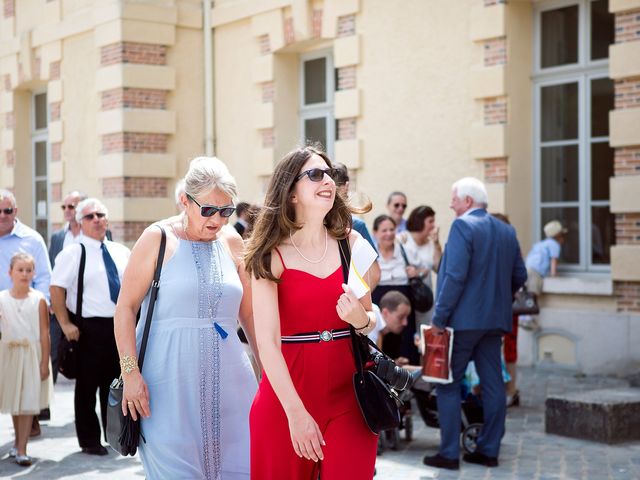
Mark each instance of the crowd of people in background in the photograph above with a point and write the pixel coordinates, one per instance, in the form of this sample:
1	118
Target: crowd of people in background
85	285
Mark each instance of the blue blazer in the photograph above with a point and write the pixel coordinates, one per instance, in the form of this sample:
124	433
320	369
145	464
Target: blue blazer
480	270
55	245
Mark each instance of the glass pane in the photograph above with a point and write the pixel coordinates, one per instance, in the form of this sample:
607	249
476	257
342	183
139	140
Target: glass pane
559	179
41	196
602	29
315	81
601	170
559	37
559	112
41	159
601	103
603	231
40	111
43	229
315	130
568	216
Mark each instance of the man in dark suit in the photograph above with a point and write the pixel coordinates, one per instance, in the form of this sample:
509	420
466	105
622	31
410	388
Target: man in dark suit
242	212
481	269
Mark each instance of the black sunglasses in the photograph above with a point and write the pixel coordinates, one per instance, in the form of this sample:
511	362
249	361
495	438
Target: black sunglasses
210	210
70	207
90	216
398	205
317	174
6	211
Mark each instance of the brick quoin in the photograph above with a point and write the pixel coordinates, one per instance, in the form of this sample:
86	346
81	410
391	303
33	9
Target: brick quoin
264	44
316	23
496	170
56	192
128	52
627	296
268	92
495	111
627	26
9	9
134	142
627	161
147	98
346	26
289	31
628	229
134	187
54	111
37	64
495	52
54	70
346	128
10	158
127	231
627	93
268	137
346	78
56	151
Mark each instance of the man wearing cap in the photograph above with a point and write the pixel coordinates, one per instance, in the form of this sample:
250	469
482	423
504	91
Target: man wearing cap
542	260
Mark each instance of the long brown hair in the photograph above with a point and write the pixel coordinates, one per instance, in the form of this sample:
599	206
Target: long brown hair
277	216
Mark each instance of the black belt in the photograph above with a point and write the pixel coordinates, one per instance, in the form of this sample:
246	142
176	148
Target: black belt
317	337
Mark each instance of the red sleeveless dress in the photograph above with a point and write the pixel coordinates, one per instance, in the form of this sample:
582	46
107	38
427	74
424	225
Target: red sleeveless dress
323	377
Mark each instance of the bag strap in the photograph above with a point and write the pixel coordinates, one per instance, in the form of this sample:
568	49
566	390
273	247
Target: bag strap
345	260
155	286
404	255
83	261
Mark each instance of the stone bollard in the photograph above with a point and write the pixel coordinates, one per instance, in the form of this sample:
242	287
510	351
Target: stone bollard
608	415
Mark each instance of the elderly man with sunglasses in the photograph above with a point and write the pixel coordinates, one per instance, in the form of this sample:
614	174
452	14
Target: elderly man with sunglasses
98	362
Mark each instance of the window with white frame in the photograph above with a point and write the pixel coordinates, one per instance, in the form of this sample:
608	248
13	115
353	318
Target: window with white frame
317	86
40	155
572	99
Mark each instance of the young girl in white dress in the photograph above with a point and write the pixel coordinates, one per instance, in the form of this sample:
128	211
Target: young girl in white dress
25	380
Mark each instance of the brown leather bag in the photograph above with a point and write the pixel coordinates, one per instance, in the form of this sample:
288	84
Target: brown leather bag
435	362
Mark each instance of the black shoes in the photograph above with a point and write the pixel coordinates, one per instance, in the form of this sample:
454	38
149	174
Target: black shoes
438	461
480	459
99	450
45	415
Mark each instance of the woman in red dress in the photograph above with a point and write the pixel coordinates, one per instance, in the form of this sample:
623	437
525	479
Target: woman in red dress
305	419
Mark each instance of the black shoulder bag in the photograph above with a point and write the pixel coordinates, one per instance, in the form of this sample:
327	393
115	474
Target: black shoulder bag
68	349
123	433
421	294
378	403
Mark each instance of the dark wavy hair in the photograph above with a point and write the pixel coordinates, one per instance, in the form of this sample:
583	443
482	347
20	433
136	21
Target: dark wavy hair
277	216
381	218
415	222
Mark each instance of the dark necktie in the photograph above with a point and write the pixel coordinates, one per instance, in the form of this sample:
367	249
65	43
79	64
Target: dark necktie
112	273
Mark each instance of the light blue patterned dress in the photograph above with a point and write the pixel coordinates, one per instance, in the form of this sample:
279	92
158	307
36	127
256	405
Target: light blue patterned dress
200	380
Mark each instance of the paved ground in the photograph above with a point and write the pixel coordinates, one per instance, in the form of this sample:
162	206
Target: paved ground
527	453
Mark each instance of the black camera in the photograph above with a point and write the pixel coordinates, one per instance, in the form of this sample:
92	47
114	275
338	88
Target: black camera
397	377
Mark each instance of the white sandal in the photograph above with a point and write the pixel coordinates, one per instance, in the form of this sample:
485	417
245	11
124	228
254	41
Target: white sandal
24	460
13	452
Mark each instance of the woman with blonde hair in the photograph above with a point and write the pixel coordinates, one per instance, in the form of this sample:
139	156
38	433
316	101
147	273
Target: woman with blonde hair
197	384
305	420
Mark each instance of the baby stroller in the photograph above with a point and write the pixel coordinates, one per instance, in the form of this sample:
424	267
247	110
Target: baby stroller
471	414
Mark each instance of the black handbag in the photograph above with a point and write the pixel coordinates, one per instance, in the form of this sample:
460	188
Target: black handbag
525	303
68	349
421	293
123	433
378	403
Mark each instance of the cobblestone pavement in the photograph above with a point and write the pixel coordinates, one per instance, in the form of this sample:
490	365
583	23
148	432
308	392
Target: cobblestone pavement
527	452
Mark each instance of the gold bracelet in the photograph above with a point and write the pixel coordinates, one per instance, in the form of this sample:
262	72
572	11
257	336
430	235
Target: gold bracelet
128	363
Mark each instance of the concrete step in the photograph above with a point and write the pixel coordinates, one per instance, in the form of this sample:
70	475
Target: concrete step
609	415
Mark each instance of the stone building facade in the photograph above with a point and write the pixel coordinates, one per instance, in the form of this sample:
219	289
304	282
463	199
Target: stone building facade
540	99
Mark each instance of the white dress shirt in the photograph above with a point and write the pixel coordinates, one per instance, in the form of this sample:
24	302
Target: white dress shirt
96	299
69	238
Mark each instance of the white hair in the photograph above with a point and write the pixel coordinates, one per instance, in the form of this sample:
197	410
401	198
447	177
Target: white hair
179	190
208	173
472	188
6	194
90	202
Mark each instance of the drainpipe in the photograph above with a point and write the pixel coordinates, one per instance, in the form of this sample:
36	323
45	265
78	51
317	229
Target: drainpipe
207	37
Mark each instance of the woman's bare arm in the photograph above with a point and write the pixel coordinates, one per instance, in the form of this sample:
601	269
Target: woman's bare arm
45	339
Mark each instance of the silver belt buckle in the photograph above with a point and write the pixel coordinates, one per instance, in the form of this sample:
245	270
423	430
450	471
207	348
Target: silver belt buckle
326	336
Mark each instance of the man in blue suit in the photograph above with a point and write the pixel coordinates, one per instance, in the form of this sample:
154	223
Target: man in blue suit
481	269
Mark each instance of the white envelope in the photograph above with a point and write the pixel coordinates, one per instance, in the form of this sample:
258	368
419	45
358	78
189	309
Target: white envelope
362	257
